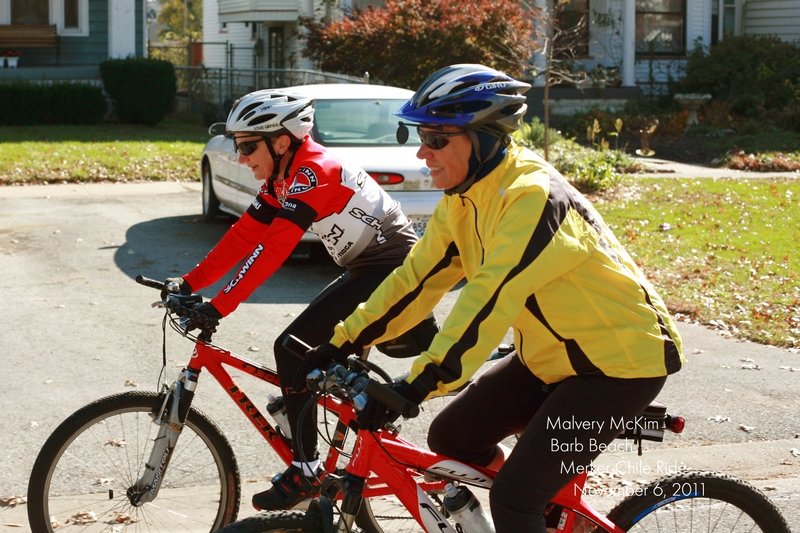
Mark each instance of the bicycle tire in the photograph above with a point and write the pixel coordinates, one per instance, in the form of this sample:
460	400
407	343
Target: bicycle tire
287	521
698	502
85	467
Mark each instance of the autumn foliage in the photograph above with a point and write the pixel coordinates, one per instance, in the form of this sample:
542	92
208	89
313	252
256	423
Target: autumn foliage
404	42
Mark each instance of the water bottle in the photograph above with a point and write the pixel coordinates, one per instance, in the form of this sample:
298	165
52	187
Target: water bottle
277	409
466	510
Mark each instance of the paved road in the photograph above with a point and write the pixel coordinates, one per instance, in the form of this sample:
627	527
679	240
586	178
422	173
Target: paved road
76	327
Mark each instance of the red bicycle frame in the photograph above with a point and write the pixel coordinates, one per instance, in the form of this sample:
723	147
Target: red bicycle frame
390	464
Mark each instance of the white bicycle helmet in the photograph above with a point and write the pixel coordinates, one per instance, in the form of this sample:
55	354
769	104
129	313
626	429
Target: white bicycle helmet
271	112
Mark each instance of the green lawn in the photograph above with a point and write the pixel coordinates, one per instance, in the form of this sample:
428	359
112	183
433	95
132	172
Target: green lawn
53	154
722	252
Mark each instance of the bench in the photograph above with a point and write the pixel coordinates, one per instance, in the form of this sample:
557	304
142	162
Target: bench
29	36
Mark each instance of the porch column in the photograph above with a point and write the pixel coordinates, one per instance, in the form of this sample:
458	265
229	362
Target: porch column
121	28
628	43
543	39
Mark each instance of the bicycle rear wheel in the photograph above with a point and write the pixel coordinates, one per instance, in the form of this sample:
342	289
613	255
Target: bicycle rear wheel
700	502
82	473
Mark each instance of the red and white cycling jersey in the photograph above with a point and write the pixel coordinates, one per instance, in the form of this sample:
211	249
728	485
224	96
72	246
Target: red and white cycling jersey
354	217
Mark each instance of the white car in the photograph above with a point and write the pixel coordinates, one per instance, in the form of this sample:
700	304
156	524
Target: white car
355	122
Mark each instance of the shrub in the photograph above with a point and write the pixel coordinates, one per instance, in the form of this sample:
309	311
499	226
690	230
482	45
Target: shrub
23	104
789	117
531	134
143	90
754	73
592	170
405	41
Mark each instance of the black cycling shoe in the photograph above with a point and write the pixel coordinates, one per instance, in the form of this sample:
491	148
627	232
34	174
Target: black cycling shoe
288	489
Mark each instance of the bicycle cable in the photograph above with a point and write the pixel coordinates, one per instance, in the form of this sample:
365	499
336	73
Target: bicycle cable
162	375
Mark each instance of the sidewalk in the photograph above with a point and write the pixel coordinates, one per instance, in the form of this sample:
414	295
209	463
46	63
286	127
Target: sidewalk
662	168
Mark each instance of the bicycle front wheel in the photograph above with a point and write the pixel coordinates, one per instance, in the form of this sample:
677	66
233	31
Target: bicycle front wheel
80	478
700	502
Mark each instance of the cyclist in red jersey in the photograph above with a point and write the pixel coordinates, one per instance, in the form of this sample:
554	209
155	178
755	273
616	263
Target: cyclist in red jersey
363	229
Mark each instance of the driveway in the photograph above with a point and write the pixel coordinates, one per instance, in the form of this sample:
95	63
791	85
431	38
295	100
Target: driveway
76	327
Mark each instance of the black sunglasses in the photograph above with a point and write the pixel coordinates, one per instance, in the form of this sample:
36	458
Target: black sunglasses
247	147
437	141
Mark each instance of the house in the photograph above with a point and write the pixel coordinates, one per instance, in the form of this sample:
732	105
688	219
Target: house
645	42
68	39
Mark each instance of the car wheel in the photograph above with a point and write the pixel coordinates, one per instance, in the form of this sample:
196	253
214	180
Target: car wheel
210	200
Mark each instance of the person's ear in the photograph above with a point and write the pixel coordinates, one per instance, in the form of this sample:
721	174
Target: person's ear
282	144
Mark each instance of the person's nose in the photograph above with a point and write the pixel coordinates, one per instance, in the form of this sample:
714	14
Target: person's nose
423	152
242	158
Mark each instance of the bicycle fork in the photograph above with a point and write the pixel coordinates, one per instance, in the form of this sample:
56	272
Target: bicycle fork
170	418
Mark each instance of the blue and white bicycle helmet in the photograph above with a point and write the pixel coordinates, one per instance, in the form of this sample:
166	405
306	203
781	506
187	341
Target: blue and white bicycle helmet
469	96
488	104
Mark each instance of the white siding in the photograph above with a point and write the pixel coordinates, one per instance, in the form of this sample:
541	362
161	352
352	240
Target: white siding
773	17
216	40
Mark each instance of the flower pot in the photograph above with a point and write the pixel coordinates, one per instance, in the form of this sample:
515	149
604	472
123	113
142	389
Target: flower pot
12	62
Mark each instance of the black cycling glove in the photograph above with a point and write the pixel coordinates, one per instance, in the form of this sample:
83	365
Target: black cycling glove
320	357
375	415
208	318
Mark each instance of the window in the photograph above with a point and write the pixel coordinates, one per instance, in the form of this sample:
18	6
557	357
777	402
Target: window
71	17
30	12
572	34
661	27
723	19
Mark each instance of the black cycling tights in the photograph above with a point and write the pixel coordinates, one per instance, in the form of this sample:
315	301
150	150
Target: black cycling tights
508	399
315	326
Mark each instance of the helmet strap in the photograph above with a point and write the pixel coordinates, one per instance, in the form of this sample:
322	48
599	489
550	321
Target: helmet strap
294	144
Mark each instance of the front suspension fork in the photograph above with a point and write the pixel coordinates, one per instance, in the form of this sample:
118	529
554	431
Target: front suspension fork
170	418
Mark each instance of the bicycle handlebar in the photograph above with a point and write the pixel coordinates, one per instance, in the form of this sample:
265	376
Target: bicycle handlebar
354	379
176	304
147	282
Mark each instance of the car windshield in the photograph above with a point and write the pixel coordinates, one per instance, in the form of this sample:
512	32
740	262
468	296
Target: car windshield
363	122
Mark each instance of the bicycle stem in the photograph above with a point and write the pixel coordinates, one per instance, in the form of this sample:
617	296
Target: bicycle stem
171	418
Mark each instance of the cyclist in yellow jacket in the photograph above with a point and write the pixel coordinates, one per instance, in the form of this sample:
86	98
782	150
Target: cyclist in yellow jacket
594	340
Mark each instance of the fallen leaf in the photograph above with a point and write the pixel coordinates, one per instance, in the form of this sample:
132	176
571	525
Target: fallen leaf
749	366
795	452
745	428
719	418
12	501
131	383
82	518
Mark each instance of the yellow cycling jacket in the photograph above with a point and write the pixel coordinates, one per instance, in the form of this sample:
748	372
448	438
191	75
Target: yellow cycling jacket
537	258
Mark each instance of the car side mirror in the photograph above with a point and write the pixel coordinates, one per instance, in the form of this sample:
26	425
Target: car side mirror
217	128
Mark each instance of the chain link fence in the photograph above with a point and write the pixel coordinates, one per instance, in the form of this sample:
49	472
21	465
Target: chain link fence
208	92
